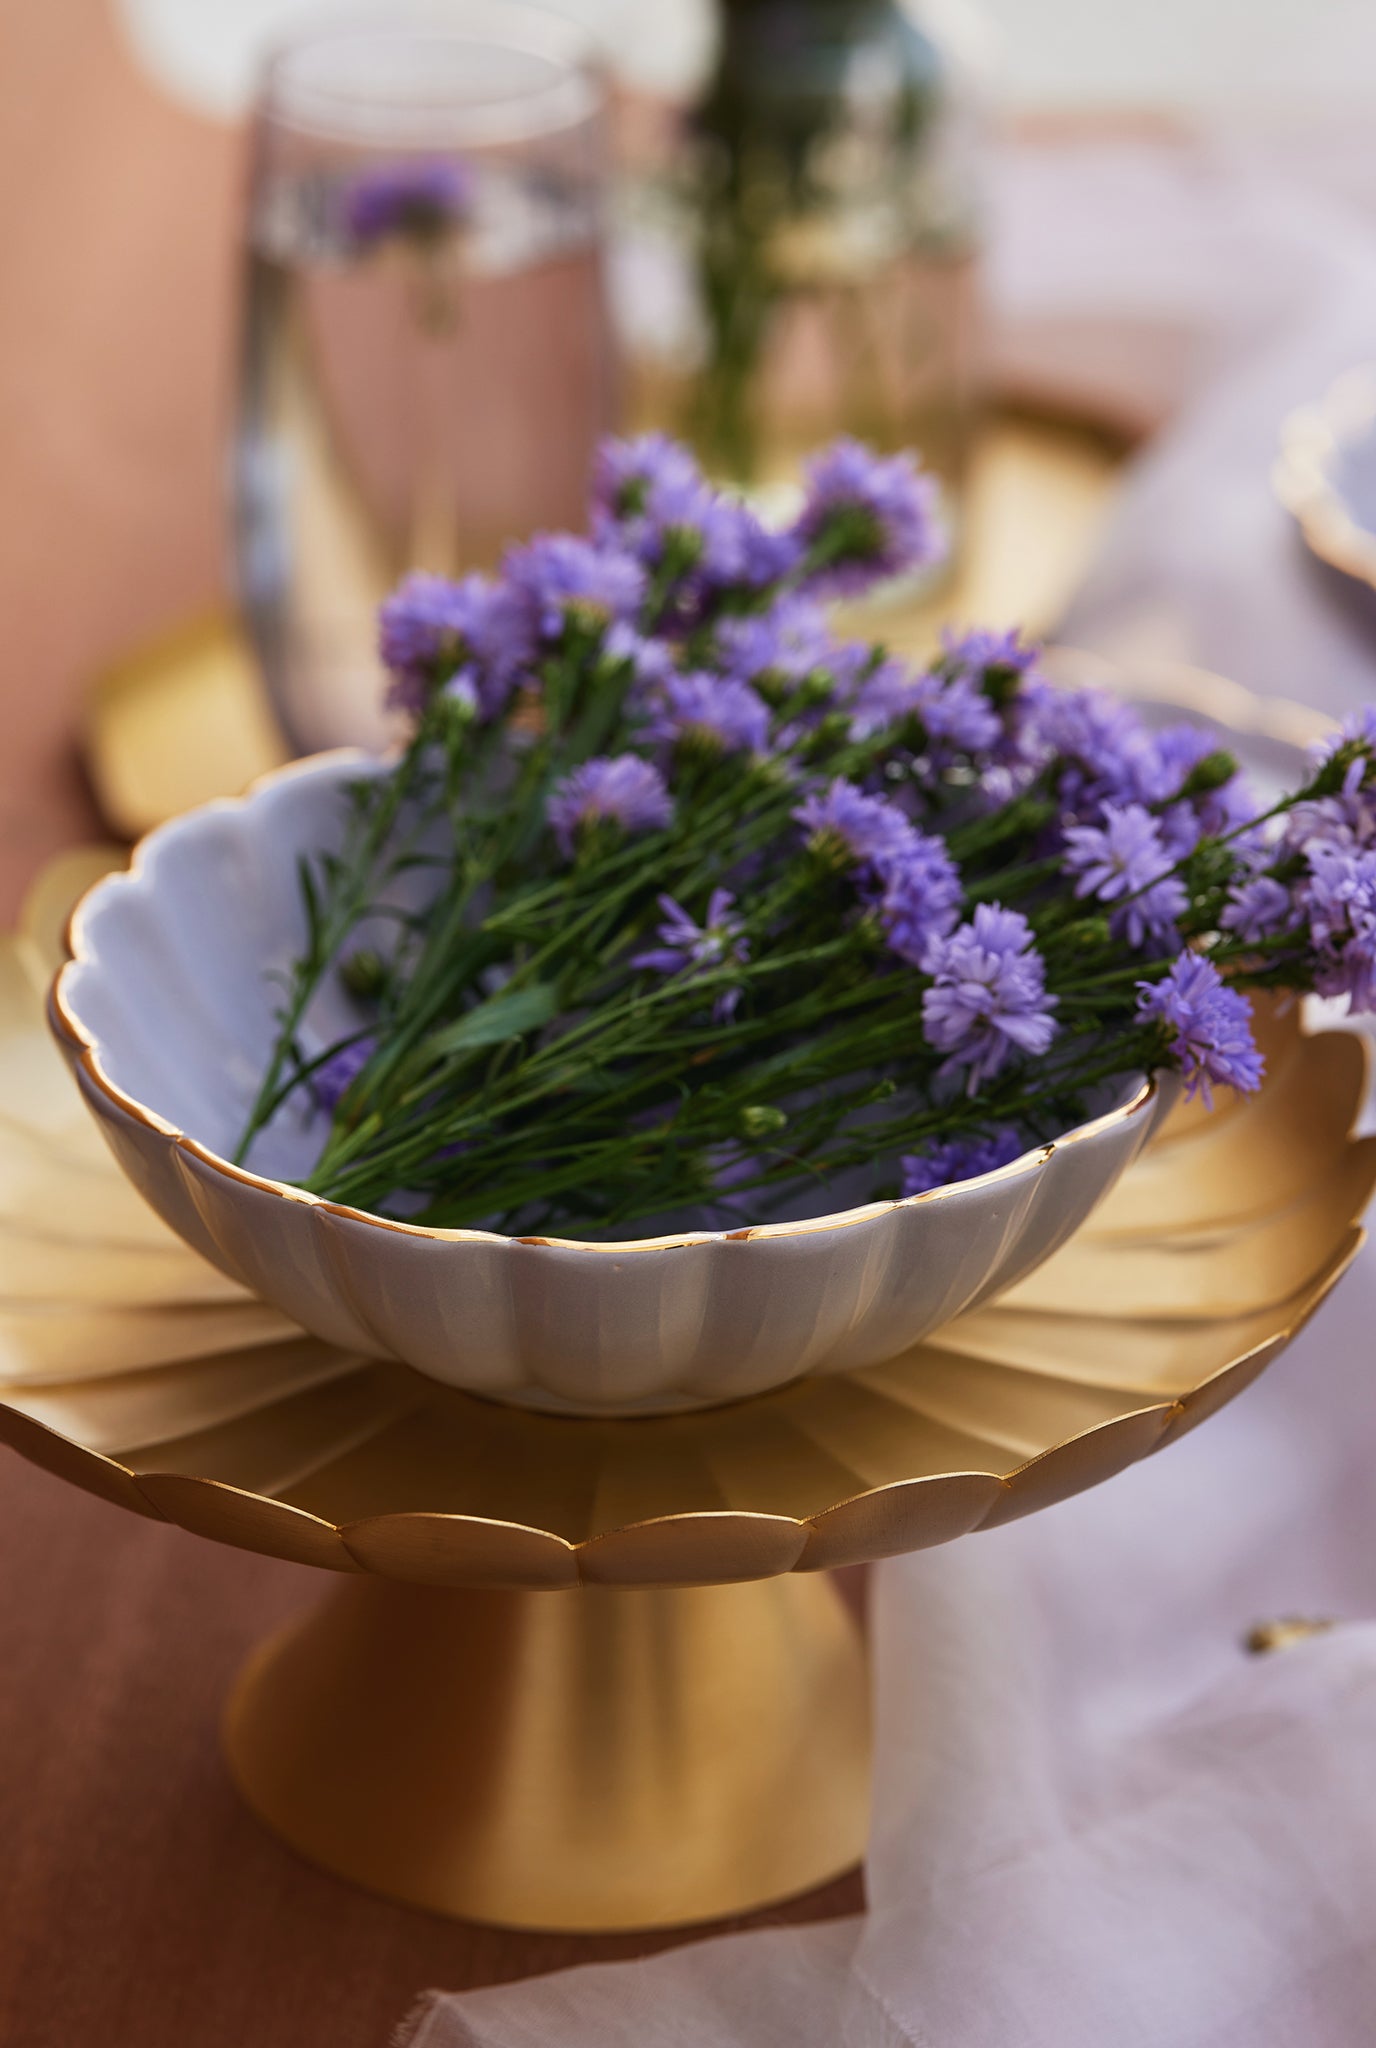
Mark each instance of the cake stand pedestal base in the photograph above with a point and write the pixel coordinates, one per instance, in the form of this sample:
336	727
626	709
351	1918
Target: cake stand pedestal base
582	1761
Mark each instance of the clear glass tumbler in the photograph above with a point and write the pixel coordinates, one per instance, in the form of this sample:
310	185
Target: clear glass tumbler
427	354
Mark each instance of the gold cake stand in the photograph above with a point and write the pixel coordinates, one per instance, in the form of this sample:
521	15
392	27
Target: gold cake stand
594	1674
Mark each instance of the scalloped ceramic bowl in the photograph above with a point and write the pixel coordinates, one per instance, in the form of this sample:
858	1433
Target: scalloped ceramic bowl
165	1013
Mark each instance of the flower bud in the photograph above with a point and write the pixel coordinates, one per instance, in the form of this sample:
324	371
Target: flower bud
1089	934
817	687
829	733
364	974
761	1120
1209	774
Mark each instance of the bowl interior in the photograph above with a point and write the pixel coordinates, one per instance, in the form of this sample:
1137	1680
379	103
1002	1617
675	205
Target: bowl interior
181	966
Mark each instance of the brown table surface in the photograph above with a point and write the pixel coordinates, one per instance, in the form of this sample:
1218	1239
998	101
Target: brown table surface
140	1902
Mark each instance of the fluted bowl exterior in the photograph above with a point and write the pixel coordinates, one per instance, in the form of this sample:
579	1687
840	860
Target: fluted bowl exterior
165	1013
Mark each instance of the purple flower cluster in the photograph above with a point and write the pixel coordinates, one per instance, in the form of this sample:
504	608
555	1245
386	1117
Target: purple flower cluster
1357	730
988	1000
922	898
718	941
669	558
840	791
860	833
1109	757
1340	906
1210	1026
956	716
432	631
425	199
866	517
888	695
620	789
489	631
1108	754
982	654
962	704
1258	908
1316	887
916	882
1345	816
1124	861
649	662
958	1159
557	576
712	713
652	502
782	647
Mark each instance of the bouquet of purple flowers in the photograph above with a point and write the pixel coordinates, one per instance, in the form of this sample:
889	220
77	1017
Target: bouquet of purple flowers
692	906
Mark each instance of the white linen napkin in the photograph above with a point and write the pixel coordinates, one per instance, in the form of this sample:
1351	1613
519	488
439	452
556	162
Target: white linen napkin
1099	1822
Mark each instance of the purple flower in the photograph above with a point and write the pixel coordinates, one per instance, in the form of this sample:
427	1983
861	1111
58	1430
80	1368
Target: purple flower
981	652
1124	861
1339	903
964	714
988	996
866	516
651	500
1357	729
958	717
427	619
710	711
855	830
718	942
761	555
1210	1023
620	787
1345	817
1345	823
922	898
887	696
651	660
1179	751
1257	908
960	1159
558	573
1108	753
629	474
424	199
334	1077
431	630
728	548
783	646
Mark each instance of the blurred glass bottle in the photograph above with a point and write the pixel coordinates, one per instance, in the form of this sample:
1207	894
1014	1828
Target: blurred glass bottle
801	242
428	356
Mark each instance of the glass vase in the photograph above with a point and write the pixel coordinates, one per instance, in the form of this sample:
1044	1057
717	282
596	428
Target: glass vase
427	354
801	244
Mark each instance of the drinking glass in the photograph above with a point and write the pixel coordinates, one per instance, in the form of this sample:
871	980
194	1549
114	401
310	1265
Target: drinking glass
427	361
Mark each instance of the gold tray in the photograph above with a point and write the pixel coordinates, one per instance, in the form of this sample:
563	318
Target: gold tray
447	1730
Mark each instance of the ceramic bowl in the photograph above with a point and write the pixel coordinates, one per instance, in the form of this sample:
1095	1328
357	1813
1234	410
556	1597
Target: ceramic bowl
165	1012
1325	473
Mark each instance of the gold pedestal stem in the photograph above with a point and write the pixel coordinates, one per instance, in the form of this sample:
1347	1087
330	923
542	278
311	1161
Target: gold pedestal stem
584	1761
